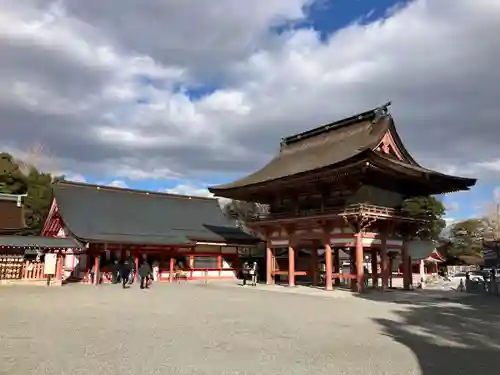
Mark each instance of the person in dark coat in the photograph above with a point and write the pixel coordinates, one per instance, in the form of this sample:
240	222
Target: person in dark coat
125	270
245	272
145	272
115	268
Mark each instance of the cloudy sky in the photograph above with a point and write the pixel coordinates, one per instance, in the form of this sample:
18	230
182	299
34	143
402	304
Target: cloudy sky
180	94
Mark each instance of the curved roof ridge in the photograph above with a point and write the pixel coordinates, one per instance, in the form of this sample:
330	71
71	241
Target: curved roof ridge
372	114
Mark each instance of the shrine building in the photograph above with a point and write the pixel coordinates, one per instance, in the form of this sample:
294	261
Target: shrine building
22	257
174	233
340	187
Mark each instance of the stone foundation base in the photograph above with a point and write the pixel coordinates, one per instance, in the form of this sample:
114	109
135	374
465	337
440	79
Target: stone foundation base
30	282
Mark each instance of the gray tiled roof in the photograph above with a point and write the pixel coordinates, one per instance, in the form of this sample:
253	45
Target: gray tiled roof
320	147
107	214
348	142
39	242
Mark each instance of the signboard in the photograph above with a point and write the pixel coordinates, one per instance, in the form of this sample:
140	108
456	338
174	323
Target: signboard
50	264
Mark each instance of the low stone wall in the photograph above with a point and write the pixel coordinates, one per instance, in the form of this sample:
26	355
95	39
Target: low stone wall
40	282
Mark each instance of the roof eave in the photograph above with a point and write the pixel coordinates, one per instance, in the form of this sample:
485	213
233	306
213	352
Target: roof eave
355	161
456	183
336	124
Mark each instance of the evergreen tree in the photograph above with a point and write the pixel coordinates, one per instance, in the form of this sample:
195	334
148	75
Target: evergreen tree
429	208
466	238
37	203
12	180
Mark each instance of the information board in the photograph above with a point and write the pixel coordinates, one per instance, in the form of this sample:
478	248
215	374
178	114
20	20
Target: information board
50	264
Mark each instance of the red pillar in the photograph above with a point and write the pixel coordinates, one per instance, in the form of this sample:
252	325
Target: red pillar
360	271
374	256
314	264
384	262
88	265
269	264
97	271
352	268
291	265
136	261
328	264
336	264
406	266
171	268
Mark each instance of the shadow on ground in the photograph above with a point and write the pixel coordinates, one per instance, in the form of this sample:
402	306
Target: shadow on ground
448	336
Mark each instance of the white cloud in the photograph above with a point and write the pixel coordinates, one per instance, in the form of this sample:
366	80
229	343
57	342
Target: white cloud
191	190
449	220
451	206
111	98
75	178
496	195
118	183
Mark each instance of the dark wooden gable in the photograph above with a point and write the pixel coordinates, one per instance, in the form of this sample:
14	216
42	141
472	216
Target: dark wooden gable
11	214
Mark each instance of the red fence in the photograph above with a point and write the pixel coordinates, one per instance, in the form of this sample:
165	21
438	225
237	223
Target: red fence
33	271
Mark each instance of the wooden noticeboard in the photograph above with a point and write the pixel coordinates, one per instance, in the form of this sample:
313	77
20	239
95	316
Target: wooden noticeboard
50	264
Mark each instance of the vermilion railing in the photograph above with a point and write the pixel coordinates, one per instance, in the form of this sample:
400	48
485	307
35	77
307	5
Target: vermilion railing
351	210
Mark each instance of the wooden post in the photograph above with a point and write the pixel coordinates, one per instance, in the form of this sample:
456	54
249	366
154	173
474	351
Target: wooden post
291	264
269	263
171	268
88	264
97	271
314	264
352	269
360	271
384	262
328	264
336	265
136	261
406	266
374	255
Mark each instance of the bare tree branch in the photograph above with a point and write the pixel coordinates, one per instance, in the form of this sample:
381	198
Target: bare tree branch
491	221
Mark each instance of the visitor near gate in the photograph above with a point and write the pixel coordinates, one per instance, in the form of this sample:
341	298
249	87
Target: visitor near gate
125	273
245	272
145	274
254	273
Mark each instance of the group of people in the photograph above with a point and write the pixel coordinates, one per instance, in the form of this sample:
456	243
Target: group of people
250	272
124	273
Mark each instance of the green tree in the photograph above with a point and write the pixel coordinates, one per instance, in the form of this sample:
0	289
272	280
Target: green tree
429	208
466	237
37	203
18	177
12	180
243	212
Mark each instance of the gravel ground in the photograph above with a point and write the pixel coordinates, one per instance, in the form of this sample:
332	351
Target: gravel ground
196	329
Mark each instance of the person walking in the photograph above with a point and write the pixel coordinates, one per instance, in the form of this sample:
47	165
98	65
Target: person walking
145	273
245	272
125	271
254	272
115	272
133	271
92	273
